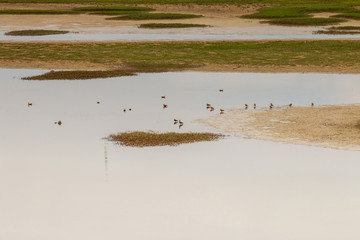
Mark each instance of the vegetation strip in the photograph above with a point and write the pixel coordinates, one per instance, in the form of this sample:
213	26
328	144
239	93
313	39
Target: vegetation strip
151	139
74	75
113	8
340	30
35	32
172	25
304	21
286	2
173	56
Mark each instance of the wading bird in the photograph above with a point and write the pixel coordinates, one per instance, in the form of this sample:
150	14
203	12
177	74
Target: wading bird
165	106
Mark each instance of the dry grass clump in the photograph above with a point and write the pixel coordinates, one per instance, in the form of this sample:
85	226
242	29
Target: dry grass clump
330	126
151	139
38	32
74	75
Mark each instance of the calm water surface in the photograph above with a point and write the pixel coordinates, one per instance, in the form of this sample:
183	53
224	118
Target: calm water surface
67	183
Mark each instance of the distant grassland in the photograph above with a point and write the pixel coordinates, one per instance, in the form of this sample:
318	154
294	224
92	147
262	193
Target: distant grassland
174	56
188	1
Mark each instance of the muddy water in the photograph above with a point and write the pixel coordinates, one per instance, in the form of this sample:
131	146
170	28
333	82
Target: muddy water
66	182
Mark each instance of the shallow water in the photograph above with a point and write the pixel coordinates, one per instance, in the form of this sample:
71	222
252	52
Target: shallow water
66	182
211	33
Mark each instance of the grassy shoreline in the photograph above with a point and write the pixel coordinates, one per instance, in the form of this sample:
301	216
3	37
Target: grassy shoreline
296	56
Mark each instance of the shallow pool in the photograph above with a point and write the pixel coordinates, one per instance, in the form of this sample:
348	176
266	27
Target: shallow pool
67	182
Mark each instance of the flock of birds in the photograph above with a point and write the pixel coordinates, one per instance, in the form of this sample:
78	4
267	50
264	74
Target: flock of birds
178	121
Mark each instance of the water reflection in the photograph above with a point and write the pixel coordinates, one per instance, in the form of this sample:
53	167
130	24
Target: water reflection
106	159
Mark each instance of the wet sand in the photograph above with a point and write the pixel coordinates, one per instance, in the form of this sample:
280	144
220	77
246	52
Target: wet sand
336	126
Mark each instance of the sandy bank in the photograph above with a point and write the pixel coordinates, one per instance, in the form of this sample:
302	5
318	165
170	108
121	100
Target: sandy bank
326	126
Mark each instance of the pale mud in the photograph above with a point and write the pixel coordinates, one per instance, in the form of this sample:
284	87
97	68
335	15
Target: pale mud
336	126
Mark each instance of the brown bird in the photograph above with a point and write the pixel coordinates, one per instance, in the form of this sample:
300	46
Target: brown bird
130	109
221	111
290	105
212	109
29	104
254	105
124	110
175	121
165	106
271	106
246	106
180	124
58	123
163	97
208	105
312	104
221	90
98	102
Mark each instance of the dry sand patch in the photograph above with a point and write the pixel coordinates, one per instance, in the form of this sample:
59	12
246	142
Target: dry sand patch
335	126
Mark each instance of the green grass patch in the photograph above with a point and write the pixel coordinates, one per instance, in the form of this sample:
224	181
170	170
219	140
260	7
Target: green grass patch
45	12
276	12
306	21
284	2
151	139
155	16
340	30
35	32
78	75
344	28
172	25
335	32
113	8
177	56
299	15
298	11
353	15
